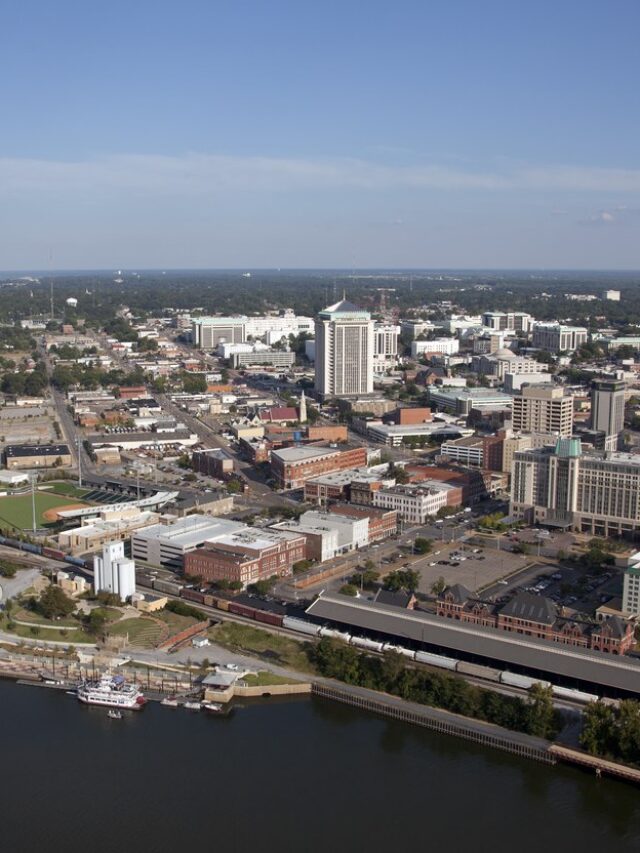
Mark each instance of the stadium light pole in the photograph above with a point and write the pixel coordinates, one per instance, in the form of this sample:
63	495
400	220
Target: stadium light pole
33	501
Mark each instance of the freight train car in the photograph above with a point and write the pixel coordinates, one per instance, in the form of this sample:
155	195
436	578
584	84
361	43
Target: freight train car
512	679
269	618
440	661
366	643
478	671
573	695
300	625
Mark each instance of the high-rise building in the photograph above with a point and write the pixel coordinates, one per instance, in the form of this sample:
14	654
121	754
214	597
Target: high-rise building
344	351
385	346
113	572
543	408
596	493
607	410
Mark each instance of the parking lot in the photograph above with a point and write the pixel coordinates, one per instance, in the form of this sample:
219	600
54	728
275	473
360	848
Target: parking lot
471	566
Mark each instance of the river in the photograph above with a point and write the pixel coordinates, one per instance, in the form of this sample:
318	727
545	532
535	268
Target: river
303	775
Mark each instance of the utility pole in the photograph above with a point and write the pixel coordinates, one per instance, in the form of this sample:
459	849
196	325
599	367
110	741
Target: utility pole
79	462
33	500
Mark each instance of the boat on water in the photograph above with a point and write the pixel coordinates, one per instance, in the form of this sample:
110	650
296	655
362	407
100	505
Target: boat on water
213	707
169	702
111	691
192	706
114	714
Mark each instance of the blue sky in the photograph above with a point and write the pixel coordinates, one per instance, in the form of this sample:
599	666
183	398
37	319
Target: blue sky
300	134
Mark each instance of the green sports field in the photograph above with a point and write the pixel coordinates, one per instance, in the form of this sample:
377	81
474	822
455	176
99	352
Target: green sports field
16	511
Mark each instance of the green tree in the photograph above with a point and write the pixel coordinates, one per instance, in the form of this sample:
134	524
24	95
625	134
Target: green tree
438	586
422	545
349	589
54	604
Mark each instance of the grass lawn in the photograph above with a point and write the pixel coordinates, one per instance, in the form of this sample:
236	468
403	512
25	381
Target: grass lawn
67	489
272	647
25	615
16	511
265	679
142	632
36	632
175	622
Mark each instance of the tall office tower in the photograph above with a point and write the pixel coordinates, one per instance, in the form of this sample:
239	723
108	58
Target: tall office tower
607	410
543	408
113	572
344	351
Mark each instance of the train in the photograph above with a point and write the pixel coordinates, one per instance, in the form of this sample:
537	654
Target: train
302	626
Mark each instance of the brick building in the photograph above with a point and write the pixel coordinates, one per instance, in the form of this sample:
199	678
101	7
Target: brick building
337	432
293	466
132	392
214	463
536	616
247	556
472	483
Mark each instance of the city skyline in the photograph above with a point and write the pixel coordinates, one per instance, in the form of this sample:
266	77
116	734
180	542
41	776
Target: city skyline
408	137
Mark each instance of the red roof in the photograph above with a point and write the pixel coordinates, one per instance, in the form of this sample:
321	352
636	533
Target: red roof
279	413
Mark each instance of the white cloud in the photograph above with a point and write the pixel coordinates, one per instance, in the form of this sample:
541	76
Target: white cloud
195	174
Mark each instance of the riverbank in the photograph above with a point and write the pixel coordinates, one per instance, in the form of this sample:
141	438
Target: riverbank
159	683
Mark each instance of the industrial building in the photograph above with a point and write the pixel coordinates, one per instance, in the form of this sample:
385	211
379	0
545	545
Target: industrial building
113	572
36	456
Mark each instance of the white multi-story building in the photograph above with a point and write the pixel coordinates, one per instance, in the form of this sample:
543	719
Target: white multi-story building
288	323
611	295
555	337
442	346
166	544
352	532
517	321
414	504
210	332
344	351
503	361
385	346
631	588
113	572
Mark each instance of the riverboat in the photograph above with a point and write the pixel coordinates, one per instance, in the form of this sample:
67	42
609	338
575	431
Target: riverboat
111	691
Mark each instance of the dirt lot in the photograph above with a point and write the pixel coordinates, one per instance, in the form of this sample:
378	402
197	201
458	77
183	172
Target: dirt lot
26	425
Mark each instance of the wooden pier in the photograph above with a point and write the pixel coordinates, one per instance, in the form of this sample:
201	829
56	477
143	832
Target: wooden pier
444	722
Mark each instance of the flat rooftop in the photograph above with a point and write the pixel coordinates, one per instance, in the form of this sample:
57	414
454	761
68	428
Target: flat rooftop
14	451
301	454
191	531
618	673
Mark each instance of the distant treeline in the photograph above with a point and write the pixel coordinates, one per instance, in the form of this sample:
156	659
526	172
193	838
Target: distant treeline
99	295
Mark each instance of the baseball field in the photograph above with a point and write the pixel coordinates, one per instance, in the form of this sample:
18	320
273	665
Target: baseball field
16	511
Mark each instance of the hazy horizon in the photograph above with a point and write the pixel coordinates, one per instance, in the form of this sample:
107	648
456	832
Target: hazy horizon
218	136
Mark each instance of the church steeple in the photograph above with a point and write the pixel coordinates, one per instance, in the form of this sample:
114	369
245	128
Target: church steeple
302	415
